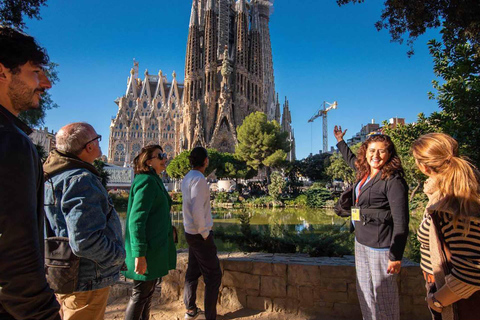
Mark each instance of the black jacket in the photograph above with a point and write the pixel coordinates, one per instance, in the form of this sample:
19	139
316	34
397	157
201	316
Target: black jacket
24	293
383	210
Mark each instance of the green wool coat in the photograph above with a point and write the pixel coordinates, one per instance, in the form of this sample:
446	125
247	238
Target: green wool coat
148	230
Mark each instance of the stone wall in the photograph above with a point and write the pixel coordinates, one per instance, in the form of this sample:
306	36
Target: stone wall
314	288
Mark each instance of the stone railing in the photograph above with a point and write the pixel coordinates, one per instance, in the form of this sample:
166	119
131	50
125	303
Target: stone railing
314	288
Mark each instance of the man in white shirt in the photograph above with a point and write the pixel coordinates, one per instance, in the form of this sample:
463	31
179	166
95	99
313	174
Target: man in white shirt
202	252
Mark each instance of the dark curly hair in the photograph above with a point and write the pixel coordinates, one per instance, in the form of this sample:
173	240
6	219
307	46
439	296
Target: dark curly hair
391	167
18	48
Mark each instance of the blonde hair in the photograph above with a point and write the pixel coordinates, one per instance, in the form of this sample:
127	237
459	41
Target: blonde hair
457	179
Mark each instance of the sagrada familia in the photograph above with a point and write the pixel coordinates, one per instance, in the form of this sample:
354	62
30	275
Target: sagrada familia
228	75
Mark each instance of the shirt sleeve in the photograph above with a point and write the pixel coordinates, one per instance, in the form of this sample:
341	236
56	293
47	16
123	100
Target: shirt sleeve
397	195
84	205
347	154
24	292
460	288
143	198
200	195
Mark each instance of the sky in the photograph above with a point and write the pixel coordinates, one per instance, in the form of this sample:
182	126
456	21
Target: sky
321	52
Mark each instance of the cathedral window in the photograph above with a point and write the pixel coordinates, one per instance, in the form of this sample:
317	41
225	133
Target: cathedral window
144	104
173	105
159	105
120	126
136	127
130	103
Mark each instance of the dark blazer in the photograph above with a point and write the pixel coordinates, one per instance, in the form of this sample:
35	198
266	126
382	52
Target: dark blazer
383	210
23	288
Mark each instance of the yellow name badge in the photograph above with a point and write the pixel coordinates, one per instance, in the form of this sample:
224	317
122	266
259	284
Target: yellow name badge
355	214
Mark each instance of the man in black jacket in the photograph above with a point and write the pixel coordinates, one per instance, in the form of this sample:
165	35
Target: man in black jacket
24	292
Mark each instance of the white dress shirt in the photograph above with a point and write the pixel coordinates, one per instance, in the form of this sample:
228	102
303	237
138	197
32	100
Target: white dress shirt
197	214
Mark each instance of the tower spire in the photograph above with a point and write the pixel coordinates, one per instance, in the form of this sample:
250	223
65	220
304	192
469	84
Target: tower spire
194	14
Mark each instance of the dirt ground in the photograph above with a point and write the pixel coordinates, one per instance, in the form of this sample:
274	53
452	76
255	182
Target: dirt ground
176	311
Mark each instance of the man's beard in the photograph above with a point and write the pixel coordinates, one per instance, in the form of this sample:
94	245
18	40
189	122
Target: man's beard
21	96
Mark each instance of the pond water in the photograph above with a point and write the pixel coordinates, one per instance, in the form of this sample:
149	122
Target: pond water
294	220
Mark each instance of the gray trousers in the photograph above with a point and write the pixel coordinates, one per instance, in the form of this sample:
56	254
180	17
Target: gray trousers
202	260
377	291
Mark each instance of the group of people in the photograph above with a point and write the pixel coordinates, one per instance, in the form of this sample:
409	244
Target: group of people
449	233
65	198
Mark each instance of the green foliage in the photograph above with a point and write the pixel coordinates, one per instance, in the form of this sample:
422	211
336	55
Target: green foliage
230	166
261	142
42	154
400	17
260	201
176	197
277	185
317	197
457	62
332	241
104	175
314	166
179	166
13	12
36	117
339	169
412	250
120	201
403	136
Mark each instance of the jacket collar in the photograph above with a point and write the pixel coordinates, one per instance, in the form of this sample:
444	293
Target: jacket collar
15	120
58	161
371	182
159	181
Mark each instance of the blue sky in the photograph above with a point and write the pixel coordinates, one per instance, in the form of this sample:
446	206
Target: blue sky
320	52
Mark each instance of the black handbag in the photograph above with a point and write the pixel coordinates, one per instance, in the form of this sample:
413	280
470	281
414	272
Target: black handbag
344	204
61	264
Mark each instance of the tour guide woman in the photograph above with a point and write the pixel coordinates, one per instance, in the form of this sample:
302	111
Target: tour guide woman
451	222
380	218
148	236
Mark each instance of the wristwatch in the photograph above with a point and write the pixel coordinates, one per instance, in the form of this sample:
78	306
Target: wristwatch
436	303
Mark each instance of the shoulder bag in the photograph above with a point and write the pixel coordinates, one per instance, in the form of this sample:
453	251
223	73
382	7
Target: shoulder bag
344	204
61	264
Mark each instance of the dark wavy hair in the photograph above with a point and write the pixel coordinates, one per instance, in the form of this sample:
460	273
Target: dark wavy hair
140	161
391	167
17	48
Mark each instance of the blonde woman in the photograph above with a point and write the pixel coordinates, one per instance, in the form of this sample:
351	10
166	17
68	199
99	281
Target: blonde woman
451	218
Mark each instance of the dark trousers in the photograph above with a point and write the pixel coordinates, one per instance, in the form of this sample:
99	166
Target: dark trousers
138	307
202	260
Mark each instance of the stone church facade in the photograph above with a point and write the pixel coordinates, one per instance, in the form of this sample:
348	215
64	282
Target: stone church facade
228	75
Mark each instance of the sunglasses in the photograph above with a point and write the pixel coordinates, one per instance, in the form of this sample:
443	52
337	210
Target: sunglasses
160	156
99	138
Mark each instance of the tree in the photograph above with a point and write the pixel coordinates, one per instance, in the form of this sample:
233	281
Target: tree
339	169
403	136
277	186
36	117
104	175
458	64
179	166
413	18
261	143
314	166
12	12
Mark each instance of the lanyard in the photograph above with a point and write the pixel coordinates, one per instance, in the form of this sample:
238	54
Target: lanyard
360	185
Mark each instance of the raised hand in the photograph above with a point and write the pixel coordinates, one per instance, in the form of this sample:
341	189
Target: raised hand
337	131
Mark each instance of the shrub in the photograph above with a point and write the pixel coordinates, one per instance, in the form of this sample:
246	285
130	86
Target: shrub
317	197
326	241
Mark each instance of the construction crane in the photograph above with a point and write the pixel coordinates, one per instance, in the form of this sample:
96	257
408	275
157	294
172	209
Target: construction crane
323	113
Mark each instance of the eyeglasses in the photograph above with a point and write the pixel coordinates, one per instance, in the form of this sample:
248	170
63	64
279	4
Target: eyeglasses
160	156
99	138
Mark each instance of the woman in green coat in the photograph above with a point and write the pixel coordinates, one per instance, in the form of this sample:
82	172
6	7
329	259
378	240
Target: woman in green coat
149	235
